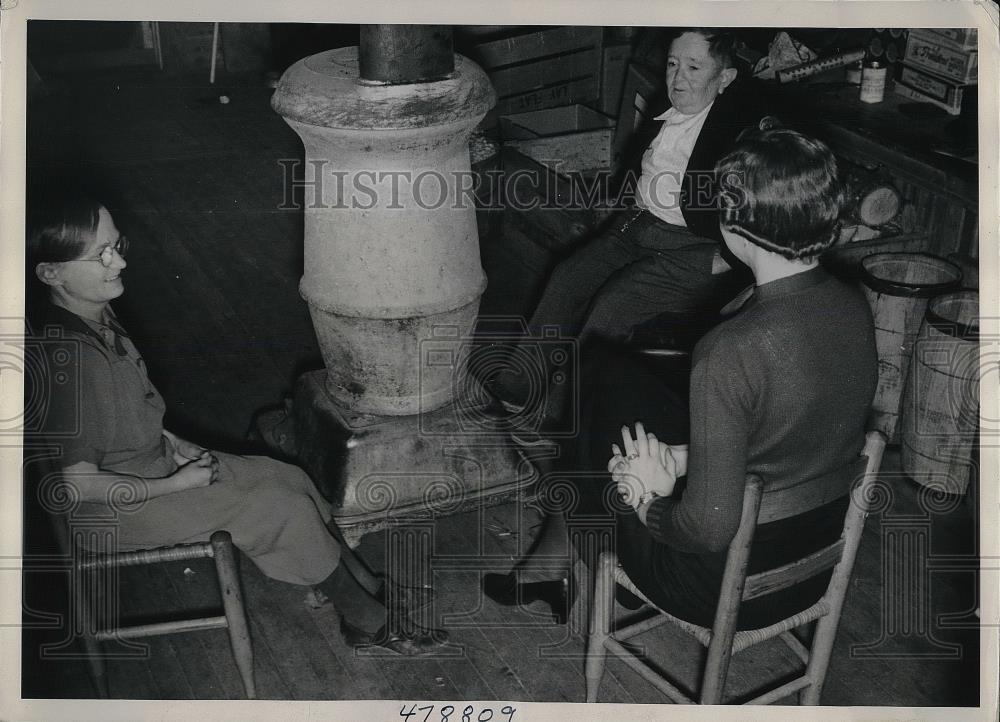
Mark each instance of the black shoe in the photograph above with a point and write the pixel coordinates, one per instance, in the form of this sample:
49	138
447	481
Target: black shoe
276	428
404	598
414	642
559	594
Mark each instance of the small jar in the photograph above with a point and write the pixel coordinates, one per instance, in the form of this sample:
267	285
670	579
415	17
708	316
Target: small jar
853	74
872	82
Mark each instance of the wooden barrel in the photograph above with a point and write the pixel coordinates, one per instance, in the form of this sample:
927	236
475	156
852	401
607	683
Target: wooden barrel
940	411
898	286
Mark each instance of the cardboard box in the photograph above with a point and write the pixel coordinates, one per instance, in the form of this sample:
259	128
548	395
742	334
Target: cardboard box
953	108
550	67
568	139
930	85
963	38
941	57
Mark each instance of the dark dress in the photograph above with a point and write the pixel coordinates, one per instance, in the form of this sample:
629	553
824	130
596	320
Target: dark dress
782	390
113	418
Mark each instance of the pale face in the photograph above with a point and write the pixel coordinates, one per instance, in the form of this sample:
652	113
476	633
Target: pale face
694	77
85	286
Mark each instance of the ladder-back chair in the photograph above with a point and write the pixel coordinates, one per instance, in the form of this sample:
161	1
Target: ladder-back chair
722	639
234	619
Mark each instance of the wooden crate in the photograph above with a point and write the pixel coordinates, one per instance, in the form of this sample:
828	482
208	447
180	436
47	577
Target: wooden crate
549	67
641	85
568	138
614	66
548	208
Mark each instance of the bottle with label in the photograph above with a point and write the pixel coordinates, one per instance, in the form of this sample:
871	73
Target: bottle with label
873	76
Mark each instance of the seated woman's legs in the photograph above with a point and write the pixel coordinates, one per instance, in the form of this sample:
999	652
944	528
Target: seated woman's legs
281	522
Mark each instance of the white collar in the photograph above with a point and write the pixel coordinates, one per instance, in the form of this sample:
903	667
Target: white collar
674	116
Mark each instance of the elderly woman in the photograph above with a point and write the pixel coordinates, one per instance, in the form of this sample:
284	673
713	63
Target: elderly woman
663	255
177	491
782	389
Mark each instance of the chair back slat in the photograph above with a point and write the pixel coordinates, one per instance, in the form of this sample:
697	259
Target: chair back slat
811	494
782	577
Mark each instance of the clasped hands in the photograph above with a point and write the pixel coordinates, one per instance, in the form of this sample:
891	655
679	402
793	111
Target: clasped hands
646	465
192	460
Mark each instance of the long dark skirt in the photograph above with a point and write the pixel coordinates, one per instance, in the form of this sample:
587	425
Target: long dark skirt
620	388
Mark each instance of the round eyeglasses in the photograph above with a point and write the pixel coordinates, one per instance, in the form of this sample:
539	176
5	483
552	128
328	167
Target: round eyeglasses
107	255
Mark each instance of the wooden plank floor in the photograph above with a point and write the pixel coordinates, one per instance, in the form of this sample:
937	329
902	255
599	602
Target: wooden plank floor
212	301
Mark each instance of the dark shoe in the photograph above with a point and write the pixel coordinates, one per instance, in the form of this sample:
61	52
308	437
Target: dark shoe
559	594
508	391
276	428
414	642
404	598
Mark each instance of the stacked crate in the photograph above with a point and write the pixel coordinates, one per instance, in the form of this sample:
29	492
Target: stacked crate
939	66
558	91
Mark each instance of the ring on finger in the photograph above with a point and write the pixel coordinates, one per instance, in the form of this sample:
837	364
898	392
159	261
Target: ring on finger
633	456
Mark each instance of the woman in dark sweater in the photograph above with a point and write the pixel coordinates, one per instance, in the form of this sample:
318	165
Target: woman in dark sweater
781	389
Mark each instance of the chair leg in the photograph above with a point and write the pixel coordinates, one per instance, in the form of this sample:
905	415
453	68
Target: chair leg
86	626
95	659
600	623
819	657
232	602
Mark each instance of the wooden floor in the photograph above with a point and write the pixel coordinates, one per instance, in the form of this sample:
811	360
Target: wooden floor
212	302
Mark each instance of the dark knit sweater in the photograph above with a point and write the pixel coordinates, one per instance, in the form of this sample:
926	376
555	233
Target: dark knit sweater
781	390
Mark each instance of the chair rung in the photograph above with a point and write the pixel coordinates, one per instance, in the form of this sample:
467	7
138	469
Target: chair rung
147	556
641	627
783	691
801	651
750	637
152	630
646	673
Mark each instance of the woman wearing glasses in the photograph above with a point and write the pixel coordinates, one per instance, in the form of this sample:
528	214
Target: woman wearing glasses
164	489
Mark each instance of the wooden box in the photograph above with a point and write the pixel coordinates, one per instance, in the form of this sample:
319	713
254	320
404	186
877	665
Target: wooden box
641	86
940	56
614	66
568	139
554	211
549	67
